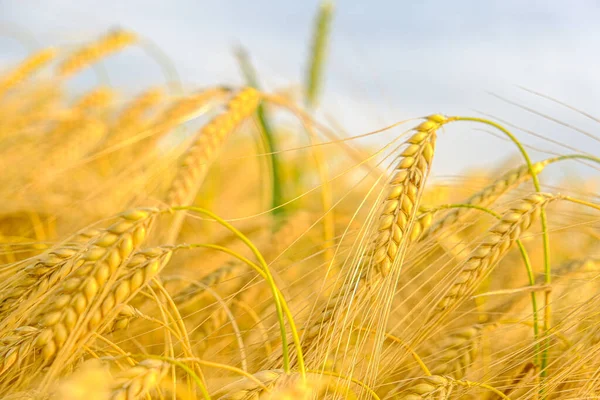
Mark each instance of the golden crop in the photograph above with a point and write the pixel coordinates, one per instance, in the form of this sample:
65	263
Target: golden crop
185	246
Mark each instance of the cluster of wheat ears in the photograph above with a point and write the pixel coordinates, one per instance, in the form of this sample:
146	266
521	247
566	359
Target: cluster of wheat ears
183	245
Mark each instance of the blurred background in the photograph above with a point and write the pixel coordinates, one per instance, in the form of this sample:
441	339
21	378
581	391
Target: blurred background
387	60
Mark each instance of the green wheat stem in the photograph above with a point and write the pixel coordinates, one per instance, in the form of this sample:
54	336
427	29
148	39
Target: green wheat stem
545	234
318	52
280	304
267	133
526	261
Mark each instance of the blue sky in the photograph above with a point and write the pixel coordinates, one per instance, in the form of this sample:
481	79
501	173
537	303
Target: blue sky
389	60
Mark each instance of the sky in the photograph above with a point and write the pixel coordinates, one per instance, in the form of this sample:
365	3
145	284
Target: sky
388	60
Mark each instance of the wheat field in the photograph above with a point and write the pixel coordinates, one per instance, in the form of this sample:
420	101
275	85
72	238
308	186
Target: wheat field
225	243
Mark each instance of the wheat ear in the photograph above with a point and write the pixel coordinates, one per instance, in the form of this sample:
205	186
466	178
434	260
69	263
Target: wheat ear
397	213
195	162
493	247
89	54
62	312
248	388
187	107
143	266
41	275
102	263
437	387
135	382
405	189
30	65
456	352
483	198
136	109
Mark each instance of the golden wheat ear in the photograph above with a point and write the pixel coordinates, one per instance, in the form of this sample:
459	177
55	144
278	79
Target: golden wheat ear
493	247
406	187
87	55
198	158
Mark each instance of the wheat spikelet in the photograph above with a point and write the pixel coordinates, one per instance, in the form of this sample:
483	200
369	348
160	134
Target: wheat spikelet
210	138
495	244
15	347
124	317
135	382
25	69
87	55
143	266
37	276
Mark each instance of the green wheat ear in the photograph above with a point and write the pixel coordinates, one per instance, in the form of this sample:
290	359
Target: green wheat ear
318	52
268	136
